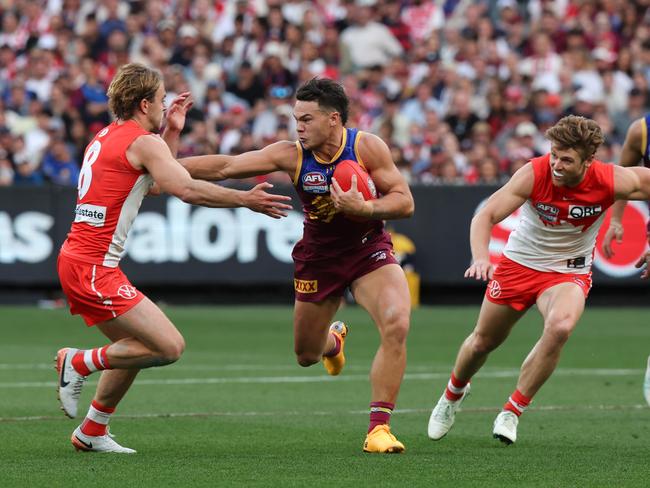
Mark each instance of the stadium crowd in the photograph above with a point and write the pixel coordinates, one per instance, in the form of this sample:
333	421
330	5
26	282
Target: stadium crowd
461	90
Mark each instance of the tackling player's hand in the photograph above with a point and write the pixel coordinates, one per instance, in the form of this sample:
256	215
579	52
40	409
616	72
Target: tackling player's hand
350	202
644	261
481	269
615	231
258	200
177	111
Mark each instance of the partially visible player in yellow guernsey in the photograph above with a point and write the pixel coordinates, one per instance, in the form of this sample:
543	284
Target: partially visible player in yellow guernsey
338	252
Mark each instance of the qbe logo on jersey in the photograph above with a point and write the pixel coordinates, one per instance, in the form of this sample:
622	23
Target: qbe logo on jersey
314	182
584	211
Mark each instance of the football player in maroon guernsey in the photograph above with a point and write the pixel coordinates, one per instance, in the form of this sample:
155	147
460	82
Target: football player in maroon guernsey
344	242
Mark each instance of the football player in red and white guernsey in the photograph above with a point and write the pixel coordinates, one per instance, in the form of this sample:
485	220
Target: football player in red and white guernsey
564	196
120	165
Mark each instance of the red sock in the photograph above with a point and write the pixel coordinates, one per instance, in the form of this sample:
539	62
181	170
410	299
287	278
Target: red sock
337	347
97	418
455	388
90	360
517	403
380	414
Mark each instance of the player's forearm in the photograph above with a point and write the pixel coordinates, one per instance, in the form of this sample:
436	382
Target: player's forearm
391	206
172	138
211	195
479	237
617	212
208	167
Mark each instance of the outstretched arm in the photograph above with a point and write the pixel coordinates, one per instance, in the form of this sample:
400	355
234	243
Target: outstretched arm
396	201
501	204
151	152
279	156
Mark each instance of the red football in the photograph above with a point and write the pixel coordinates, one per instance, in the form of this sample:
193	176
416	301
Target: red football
343	174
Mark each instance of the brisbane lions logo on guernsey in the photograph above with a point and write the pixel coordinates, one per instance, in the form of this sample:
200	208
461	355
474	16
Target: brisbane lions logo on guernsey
314	182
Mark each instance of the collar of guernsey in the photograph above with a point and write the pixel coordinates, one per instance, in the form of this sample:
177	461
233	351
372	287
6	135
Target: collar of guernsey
308	162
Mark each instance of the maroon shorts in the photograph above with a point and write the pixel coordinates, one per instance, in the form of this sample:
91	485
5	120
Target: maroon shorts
317	279
518	286
97	293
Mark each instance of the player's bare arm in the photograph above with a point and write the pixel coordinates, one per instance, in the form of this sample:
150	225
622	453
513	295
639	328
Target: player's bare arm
175	121
396	201
501	204
631	154
151	152
279	156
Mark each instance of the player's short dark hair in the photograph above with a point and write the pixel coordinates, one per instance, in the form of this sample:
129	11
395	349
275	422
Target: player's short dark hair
133	83
329	94
576	132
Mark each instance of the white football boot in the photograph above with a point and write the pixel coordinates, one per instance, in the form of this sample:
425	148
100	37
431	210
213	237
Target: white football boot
505	427
99	443
646	383
70	382
443	415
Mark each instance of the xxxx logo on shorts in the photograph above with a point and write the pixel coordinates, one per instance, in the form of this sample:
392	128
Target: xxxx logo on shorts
127	291
305	286
495	288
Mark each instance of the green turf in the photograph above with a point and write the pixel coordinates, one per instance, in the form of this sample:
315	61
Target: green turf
237	411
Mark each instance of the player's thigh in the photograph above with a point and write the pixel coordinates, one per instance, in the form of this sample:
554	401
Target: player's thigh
562	305
147	323
384	293
311	321
495	321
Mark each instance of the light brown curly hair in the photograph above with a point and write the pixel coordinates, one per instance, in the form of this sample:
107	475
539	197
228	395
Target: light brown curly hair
576	132
133	83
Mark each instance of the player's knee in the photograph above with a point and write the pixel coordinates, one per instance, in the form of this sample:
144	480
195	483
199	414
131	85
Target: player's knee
559	328
172	351
482	344
396	328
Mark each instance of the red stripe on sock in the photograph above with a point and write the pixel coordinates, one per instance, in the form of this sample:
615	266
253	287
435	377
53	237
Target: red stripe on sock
452	396
95	358
79	365
92	428
98	406
521	400
104	355
458	383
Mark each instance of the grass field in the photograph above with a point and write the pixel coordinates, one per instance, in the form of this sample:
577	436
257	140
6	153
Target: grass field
237	411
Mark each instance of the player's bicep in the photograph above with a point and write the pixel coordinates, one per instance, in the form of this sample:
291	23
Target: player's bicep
511	196
154	155
378	161
632	183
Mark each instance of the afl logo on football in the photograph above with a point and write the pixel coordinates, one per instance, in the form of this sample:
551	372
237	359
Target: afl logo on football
495	289
127	291
314	182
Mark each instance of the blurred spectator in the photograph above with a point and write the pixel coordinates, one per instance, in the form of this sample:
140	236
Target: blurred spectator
456	87
58	165
367	42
